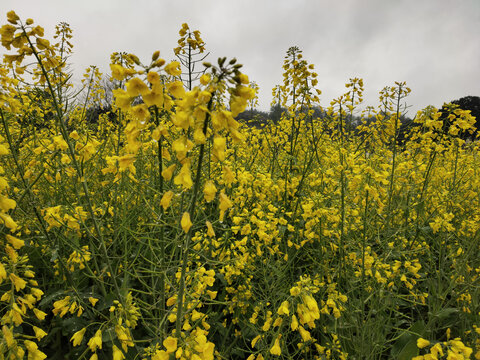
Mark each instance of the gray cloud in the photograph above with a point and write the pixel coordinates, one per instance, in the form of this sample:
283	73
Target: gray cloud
432	44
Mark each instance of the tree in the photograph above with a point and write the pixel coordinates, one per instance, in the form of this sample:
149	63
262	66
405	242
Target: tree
469	103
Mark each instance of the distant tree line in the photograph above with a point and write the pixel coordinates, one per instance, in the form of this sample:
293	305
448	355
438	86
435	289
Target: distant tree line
258	118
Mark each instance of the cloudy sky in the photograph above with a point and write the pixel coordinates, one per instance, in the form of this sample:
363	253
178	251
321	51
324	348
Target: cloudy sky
433	45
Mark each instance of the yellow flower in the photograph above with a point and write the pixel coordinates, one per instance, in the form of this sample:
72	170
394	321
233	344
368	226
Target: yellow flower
39	333
204	79
7	32
8	221
219	119
140	111
181	146
436	350
161	355
18	282
304	334
12	17
168	172
92	300
294	291
212	294
219	144
184	177
176	89
74	135
136	87
61	306
204	96
123	335
166	198
243	78
8	335
157	132
96	341
3	273
283	309
39	314
43	44
33	352
6	203
154	97
118	72
170	344
311	303
186	222
224	205
210	231
153	77
117	353
294	324
173	68
209	191
16	313
122	99
276	350
255	340
125	161
172	300
421	343
78	337
199	136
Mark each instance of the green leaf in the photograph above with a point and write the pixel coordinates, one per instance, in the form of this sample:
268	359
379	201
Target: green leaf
445	313
406	346
48	299
108	335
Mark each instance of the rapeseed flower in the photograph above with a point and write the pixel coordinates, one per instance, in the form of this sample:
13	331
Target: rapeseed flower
96	341
77	338
186	222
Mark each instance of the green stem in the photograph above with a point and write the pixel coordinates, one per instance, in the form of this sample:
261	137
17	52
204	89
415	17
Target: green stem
394	155
188	236
162	229
71	150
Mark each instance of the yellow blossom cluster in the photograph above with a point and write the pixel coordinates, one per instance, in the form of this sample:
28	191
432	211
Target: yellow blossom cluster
160	224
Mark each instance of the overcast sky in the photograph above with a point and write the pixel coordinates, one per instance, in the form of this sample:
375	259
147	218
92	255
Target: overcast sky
433	45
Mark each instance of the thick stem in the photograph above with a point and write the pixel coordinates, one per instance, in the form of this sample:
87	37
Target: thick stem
188	236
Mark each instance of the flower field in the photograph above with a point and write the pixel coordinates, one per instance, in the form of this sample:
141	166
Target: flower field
168	228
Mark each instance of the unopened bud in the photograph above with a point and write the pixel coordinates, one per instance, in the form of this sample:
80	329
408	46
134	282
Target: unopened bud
159	62
135	59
